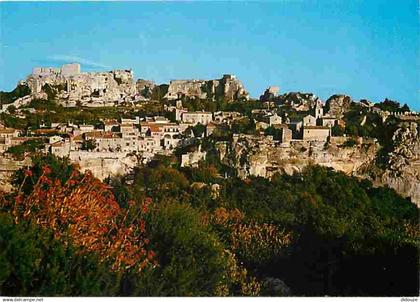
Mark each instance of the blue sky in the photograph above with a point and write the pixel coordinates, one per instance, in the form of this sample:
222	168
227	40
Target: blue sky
366	49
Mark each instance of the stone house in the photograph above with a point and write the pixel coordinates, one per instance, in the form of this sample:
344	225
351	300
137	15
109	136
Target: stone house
309	120
8	133
8	138
134	121
328	121
171	141
274	119
179	112
83	129
198	117
226	116
316	133
261	125
109	125
60	148
149	144
107	141
55	138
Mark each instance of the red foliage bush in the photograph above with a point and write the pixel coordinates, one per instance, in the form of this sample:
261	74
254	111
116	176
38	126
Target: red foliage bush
84	211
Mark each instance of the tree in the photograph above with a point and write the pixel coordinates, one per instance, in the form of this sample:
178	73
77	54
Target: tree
276	133
337	130
244	125
60	169
31	146
83	211
192	260
199	130
34	263
159	92
388	105
11	109
89	145
18	92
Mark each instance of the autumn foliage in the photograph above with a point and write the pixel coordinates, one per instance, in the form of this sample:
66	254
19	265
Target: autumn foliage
251	241
83	211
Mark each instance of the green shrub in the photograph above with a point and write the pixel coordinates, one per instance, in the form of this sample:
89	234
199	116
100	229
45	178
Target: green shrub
191	260
33	263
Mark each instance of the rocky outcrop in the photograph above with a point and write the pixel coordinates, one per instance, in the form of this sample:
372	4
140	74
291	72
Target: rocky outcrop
403	169
69	84
7	168
338	104
261	156
228	88
145	88
270	94
298	100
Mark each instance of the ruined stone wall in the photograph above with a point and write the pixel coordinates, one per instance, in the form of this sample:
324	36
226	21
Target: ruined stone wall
105	86
70	69
190	88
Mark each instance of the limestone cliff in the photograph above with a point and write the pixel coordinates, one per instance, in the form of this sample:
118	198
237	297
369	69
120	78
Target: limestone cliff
105	165
262	156
228	87
145	88
107	87
298	100
338	104
403	168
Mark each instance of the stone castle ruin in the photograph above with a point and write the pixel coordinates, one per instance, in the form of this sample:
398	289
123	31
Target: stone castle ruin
72	85
117	86
228	87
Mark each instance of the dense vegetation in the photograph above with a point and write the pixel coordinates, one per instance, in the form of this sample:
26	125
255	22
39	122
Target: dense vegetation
30	146
321	232
18	92
165	230
33	263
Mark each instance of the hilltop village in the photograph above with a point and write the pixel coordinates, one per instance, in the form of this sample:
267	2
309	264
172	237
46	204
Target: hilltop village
109	123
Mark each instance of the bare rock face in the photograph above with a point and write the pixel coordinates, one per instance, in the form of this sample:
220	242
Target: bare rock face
7	167
338	104
270	94
112	86
227	87
261	156
145	87
403	172
189	88
298	100
71	84
103	165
